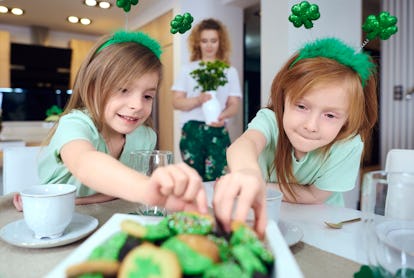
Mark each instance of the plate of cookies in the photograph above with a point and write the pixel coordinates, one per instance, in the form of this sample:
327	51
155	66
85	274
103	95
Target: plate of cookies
182	244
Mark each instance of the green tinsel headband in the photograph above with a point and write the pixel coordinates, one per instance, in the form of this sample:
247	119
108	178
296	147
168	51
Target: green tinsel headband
137	37
333	48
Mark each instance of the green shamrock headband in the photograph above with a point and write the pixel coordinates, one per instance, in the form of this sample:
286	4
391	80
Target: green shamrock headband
333	48
137	37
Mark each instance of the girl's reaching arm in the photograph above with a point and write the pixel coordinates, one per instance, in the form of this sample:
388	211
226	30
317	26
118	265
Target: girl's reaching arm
175	186
243	184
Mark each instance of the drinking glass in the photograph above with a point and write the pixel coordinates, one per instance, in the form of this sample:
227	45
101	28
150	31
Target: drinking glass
145	162
388	214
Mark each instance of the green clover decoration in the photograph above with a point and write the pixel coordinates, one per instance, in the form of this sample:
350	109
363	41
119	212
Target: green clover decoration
382	26
181	23
303	14
53	110
126	4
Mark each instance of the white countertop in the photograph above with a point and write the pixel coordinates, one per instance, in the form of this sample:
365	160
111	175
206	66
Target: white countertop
346	242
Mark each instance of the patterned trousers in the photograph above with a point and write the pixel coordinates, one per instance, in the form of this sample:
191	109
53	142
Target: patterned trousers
204	148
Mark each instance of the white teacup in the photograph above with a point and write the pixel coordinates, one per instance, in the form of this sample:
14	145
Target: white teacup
48	209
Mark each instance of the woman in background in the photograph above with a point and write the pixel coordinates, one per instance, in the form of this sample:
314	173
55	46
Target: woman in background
203	146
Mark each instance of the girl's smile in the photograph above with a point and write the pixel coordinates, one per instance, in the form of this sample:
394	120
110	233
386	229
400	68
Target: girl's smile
130	107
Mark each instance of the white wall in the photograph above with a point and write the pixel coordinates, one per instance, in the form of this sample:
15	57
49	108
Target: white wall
280	39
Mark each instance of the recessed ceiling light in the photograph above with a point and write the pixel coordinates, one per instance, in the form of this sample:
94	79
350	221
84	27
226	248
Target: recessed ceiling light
73	19
85	21
3	9
104	5
91	3
17	11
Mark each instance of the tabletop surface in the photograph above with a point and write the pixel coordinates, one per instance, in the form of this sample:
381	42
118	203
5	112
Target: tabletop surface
321	253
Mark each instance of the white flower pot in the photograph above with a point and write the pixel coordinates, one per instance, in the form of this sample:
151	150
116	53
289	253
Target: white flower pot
211	108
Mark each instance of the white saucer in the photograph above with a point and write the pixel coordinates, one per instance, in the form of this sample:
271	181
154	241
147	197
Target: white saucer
17	233
291	233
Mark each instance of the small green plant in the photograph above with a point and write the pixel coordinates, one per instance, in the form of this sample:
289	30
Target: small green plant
210	75
53	113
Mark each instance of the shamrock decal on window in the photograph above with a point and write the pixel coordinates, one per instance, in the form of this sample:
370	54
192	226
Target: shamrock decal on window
382	26
303	14
181	23
126	4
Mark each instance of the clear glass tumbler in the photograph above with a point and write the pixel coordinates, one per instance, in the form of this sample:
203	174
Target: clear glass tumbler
145	162
388	215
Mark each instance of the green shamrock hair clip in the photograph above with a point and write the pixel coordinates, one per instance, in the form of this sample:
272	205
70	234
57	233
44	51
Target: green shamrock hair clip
181	23
126	4
136	37
382	26
303	14
335	49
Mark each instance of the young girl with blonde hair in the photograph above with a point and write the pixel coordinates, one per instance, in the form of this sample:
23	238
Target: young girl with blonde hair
107	117
309	141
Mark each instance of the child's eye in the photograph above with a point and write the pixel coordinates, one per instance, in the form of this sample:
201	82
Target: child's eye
149	97
123	90
330	116
301	106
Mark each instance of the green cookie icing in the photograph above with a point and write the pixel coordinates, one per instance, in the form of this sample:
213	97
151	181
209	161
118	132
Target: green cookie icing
144	267
243	235
91	275
225	270
110	248
223	246
248	261
191	262
188	223
157	231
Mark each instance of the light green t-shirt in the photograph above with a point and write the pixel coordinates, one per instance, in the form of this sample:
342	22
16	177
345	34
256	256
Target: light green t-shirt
79	125
337	172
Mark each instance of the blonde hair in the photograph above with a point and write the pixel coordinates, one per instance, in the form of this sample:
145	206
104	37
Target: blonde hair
104	72
295	81
224	50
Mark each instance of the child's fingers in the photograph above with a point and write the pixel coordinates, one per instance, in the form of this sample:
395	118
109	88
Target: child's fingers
225	195
201	199
194	183
17	201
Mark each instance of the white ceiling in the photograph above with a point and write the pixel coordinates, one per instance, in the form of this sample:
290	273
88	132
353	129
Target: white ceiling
52	14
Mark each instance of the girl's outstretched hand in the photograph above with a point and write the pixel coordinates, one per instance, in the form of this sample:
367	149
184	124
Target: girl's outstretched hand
247	188
177	187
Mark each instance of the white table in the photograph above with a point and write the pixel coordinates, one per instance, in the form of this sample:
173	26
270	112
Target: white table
346	242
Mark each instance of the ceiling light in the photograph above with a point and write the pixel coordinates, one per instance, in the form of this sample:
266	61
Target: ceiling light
85	21
104	5
90	3
17	11
3	9
73	19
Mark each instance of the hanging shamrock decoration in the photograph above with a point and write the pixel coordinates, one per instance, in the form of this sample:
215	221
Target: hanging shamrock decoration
304	13
126	4
181	23
382	26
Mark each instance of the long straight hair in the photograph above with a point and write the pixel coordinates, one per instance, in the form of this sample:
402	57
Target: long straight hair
295	81
103	72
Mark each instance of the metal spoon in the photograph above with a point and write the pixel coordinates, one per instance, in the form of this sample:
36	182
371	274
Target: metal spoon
340	224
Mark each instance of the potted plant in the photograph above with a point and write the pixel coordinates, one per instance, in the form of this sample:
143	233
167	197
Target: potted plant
209	76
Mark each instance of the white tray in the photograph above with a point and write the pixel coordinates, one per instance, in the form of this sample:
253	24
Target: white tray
286	266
